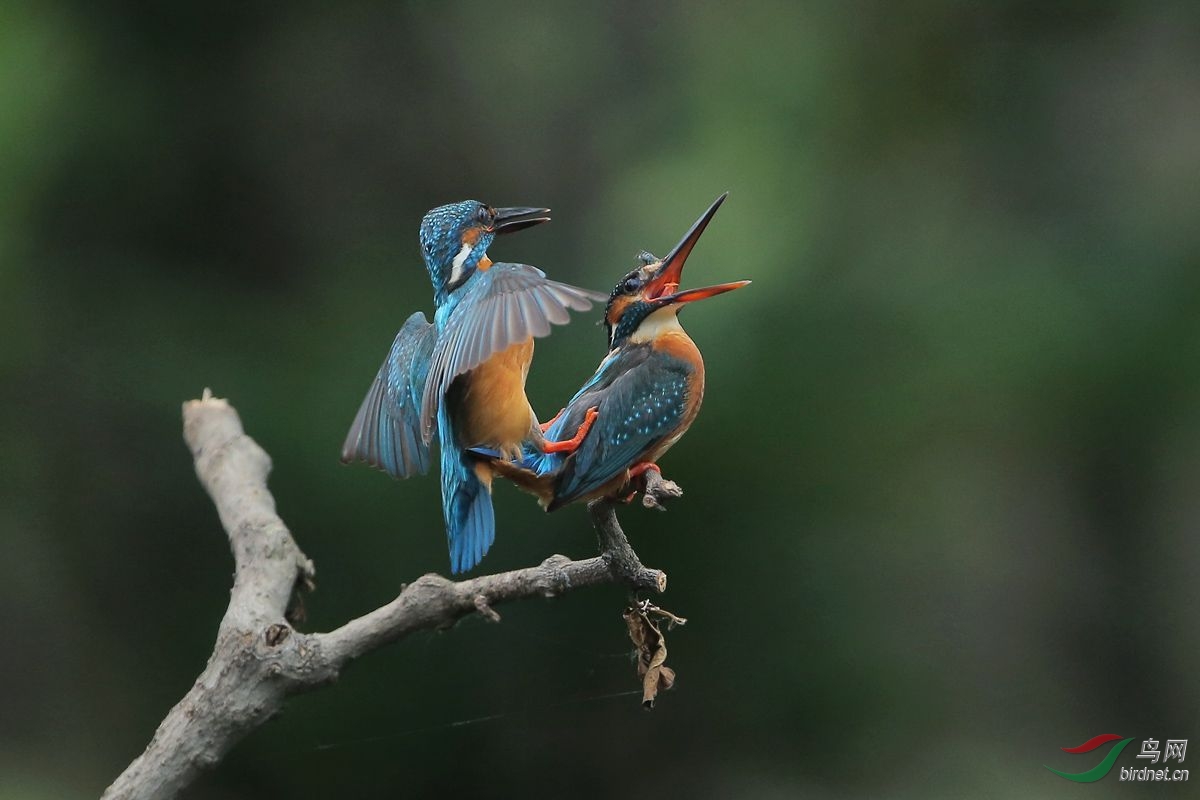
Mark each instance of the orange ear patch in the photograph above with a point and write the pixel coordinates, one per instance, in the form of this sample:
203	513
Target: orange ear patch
470	237
617	309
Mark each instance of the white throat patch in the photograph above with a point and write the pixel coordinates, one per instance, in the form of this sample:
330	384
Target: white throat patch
456	266
664	320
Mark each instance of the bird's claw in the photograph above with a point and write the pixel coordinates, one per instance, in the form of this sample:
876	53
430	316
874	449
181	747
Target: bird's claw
545	426
641	468
637	471
572	444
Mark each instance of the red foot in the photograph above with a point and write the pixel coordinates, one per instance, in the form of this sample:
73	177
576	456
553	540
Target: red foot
545	426
637	470
570	445
641	468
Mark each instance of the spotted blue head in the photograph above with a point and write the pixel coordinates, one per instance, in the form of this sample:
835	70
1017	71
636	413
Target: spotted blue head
455	239
651	293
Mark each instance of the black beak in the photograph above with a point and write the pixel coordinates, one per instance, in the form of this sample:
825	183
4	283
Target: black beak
671	273
663	288
518	218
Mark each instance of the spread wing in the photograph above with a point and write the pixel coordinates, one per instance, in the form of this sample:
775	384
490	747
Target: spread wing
642	404
503	305
386	433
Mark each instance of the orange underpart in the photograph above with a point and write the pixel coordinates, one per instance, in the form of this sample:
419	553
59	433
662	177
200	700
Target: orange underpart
570	445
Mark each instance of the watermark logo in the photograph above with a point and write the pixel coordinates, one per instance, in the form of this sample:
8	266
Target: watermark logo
1173	749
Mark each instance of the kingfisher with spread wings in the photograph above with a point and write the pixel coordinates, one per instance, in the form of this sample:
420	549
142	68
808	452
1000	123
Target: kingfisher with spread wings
461	378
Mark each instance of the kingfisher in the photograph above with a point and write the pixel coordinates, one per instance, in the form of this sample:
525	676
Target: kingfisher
461	378
642	398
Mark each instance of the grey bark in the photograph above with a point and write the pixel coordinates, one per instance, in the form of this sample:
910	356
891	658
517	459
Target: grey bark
259	659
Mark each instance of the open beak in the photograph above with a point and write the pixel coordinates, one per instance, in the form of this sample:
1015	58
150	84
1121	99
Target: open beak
518	218
690	295
663	288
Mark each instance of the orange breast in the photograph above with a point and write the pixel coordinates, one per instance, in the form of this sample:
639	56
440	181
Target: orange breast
495	411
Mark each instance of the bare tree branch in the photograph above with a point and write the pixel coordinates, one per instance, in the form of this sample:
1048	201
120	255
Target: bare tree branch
259	659
658	490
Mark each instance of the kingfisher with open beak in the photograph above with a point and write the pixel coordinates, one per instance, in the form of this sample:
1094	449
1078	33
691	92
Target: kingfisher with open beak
646	392
462	378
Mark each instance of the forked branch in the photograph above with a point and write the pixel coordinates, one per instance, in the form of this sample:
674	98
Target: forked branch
259	659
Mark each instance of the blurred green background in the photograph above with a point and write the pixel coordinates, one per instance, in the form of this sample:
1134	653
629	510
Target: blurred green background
942	499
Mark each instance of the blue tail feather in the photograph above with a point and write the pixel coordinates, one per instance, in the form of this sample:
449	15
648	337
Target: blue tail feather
466	505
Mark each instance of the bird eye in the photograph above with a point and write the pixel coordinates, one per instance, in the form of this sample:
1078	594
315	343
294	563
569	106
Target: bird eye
632	284
485	216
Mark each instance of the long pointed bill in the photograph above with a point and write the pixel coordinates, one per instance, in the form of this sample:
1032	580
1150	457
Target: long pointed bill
518	218
691	295
672	267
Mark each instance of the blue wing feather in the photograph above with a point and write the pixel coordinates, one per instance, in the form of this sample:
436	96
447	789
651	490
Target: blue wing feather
386	431
642	398
499	307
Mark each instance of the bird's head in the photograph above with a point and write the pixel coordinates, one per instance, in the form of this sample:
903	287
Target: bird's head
455	239
651	292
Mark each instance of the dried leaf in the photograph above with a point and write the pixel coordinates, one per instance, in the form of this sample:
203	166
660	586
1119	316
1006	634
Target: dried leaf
651	647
